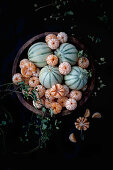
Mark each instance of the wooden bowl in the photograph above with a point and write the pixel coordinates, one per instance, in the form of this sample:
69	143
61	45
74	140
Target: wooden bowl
22	53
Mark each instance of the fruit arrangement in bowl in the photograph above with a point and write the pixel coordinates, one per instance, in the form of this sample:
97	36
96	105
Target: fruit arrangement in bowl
52	71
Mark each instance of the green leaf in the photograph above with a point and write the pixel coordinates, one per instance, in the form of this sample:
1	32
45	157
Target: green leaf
80	53
44	126
4	122
43	109
69	13
51	111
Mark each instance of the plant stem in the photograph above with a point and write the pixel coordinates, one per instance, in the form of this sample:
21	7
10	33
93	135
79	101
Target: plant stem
44	7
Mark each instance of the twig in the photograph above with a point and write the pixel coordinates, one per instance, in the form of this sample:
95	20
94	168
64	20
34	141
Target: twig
37	9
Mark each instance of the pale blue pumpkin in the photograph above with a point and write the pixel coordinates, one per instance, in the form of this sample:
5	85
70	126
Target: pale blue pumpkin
67	53
50	76
38	53
77	78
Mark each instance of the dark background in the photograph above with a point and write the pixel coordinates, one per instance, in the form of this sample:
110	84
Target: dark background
18	23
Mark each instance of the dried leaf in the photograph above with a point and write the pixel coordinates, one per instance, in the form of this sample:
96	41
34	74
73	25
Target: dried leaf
72	138
96	115
87	113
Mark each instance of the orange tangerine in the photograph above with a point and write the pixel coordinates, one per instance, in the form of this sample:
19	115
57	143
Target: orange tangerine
40	91
57	91
28	69
52	60
47	103
64	68
56	107
62	37
23	62
49	37
17	78
71	104
48	95
33	81
62	101
76	94
83	62
53	43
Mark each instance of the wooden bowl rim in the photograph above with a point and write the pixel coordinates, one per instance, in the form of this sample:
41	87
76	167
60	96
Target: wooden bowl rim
29	42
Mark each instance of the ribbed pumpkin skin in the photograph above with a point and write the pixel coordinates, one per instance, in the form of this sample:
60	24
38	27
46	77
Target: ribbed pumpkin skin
77	78
50	76
38	53
67	52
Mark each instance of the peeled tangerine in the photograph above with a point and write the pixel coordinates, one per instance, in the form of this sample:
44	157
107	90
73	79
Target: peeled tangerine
62	101
48	95
56	107
64	68
83	62
62	37
57	91
53	44
49	37
40	91
71	104
17	78
38	104
28	69
52	60
23	62
47	103
33	81
76	94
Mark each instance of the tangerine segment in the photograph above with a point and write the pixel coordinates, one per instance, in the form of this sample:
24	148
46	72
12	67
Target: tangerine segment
57	91
76	94
52	60
56	107
71	104
33	81
23	62
28	69
62	101
17	78
64	68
